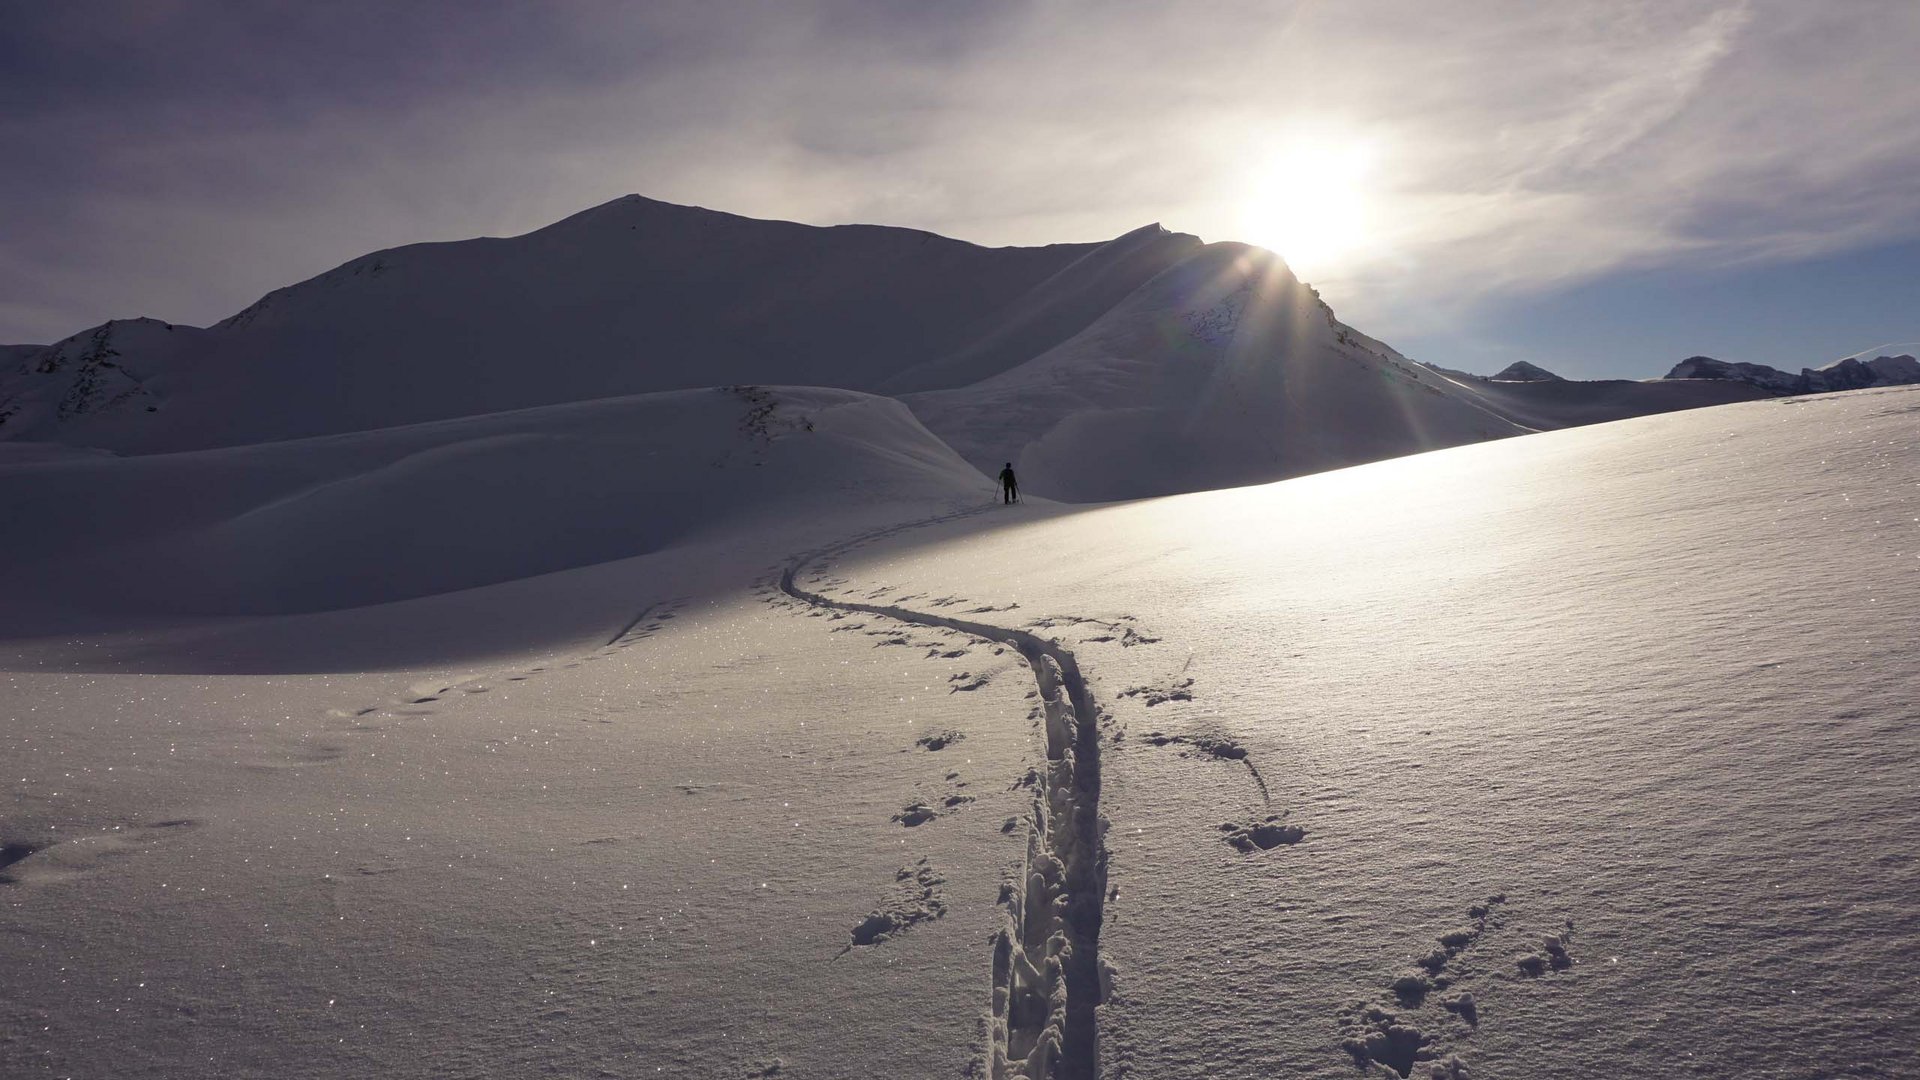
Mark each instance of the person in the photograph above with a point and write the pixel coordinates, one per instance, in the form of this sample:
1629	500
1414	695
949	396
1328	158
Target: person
1009	487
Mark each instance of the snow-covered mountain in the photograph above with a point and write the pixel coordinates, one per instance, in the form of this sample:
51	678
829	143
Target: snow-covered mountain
1551	404
11	355
372	517
1522	371
1849	373
634	296
1222	370
1148	364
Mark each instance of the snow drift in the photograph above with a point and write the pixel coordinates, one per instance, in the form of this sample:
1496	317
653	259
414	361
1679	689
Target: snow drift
350	520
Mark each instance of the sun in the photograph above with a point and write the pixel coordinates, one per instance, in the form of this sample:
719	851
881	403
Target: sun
1309	202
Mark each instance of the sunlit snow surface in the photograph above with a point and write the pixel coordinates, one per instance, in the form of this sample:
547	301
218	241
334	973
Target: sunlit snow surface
1655	678
1649	682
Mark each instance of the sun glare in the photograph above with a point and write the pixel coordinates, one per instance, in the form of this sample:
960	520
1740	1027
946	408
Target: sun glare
1310	204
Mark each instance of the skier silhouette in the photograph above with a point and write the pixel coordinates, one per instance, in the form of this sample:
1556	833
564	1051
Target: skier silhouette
1009	487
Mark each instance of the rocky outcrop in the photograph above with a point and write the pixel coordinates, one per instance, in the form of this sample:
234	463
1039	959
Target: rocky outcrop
79	375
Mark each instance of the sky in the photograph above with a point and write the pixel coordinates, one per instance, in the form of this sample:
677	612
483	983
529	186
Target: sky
1601	188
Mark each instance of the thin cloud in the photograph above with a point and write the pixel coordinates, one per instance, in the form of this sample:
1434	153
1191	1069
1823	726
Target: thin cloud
1521	147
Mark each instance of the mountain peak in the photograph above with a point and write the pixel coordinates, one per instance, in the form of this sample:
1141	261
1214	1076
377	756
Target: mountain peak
1521	371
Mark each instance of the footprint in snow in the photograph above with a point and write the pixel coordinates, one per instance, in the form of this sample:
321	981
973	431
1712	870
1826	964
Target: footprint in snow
914	814
1162	692
1261	835
300	755
1408	1026
916	897
45	861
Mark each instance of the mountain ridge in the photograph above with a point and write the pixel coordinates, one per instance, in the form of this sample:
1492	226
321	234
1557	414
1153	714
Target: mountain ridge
632	296
1148	364
1847	373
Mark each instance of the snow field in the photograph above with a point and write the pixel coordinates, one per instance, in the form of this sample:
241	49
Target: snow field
369	518
660	854
1586	752
1616	721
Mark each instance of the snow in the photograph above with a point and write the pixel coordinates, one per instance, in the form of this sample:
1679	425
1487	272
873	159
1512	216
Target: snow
428	671
1887	370
1551	405
1847	373
1522	371
14	354
1608	728
612	816
351	520
1647	682
1224	369
630	859
634	296
1706	367
1147	365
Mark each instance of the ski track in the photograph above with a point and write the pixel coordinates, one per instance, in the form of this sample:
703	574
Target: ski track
655	616
631	624
1047	973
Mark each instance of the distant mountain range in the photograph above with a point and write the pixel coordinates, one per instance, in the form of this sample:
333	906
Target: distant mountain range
1149	364
1851	373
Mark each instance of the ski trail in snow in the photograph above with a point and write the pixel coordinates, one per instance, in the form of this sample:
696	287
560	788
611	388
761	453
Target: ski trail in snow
1047	974
420	698
631	623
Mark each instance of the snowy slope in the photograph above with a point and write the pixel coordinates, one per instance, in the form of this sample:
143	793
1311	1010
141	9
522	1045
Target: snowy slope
1552	756
1054	310
350	520
674	852
87	378
1224	369
722	829
633	296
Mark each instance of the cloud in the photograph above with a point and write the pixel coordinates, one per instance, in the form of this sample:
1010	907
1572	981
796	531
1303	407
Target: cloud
182	159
